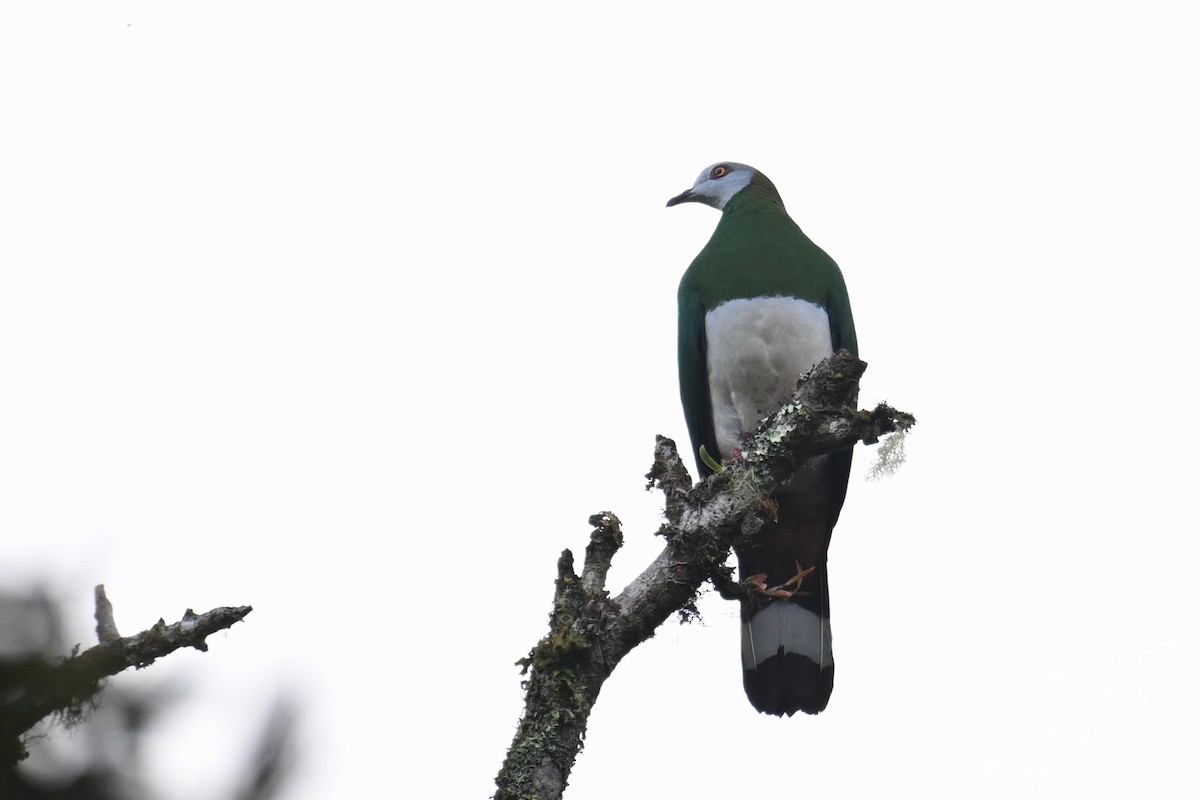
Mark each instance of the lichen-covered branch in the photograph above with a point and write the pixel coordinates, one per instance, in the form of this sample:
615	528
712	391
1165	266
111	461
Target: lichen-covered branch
591	632
36	687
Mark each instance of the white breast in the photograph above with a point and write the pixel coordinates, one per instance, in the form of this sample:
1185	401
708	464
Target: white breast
757	350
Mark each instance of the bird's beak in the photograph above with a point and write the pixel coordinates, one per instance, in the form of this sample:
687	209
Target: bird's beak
686	197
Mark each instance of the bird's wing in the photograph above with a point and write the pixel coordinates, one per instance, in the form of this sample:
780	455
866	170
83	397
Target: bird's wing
693	376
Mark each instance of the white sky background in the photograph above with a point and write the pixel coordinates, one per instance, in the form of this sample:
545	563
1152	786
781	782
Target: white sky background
355	314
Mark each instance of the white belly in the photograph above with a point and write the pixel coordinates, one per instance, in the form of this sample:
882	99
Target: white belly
757	350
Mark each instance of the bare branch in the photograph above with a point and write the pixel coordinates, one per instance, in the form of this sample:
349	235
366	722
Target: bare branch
591	632
106	625
36	687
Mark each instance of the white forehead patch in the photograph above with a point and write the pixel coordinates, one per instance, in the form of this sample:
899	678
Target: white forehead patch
718	191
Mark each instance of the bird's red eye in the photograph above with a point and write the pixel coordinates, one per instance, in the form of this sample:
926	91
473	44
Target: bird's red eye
719	171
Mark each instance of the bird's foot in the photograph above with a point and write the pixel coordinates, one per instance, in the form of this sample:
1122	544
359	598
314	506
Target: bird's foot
784	591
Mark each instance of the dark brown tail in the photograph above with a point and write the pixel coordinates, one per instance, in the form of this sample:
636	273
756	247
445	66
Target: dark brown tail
787	652
787	648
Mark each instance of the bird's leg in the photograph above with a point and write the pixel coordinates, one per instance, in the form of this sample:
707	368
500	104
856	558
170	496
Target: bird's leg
735	452
757	582
786	590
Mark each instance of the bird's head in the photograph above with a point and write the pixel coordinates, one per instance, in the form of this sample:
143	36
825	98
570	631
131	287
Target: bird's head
720	182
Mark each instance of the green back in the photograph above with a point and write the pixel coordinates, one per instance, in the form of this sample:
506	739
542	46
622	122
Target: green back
755	251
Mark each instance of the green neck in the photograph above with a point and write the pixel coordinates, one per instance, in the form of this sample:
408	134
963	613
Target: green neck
760	192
